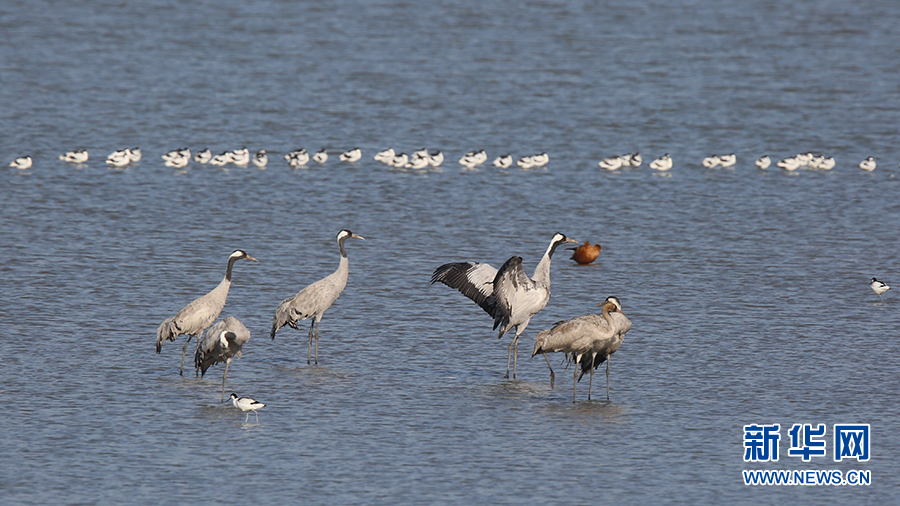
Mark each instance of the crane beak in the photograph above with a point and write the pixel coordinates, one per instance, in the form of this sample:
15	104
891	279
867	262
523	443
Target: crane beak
251	258
570	240
357	236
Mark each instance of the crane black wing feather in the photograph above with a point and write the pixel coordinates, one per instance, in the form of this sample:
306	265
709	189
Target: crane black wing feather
472	279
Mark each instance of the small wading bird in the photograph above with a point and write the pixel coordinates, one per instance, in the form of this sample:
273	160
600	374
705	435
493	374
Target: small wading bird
351	155
868	164
21	163
194	318
247	404
588	340
662	163
586	253
221	343
508	295
315	299
763	162
879	287
76	156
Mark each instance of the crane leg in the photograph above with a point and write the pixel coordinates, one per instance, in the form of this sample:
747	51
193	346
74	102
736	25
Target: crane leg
552	375
227	363
575	379
318	322
511	353
309	349
591	380
197	366
607	378
183	351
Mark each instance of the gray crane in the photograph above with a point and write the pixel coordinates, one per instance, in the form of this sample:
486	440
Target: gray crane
315	299
508	295
194	318
221	343
588	340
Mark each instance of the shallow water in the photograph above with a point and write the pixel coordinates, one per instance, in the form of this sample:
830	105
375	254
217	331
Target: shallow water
747	289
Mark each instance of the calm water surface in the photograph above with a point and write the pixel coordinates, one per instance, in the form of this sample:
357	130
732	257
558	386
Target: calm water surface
747	289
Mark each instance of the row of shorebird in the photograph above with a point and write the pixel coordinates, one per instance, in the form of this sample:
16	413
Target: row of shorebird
811	161
424	158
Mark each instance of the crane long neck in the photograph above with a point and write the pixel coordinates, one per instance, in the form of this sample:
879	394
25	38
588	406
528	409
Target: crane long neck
341	246
228	270
542	271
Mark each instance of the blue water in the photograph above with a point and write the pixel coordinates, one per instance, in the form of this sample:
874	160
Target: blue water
747	289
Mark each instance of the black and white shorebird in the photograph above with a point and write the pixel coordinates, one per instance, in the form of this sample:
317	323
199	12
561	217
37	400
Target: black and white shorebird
247	404
221	343
385	156
260	159
868	164
21	163
503	161
351	155
320	156
297	158
662	163
879	287
119	158
315	299
194	318
240	156
611	163
508	295
203	156
75	156
763	162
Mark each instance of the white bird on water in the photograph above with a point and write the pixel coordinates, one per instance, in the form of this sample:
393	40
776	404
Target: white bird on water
588	340
194	318
611	163
503	161
662	163
508	295
247	404
635	160
868	164
727	160
119	158
763	162
260	159
351	155
134	154
315	299
21	163
436	159
879	287
221	343
76	156
710	162
385	156
320	156
240	156
203	156
789	164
